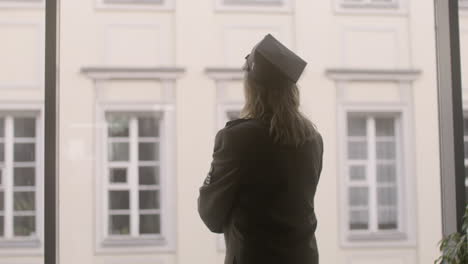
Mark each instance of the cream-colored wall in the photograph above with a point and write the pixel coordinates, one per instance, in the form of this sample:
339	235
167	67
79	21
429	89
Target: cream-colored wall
195	36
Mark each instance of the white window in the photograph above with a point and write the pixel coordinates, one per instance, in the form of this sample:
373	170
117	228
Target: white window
133	176
19	179
369	3
373	179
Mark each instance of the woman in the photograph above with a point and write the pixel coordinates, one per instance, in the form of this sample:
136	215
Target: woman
266	166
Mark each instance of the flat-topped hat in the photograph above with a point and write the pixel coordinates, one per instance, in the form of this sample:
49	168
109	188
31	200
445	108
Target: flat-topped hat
272	62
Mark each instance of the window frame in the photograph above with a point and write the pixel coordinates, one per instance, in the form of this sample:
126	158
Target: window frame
281	6
34	245
405	235
144	243
135	4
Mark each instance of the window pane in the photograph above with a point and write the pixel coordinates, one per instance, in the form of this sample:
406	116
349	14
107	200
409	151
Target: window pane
386	196
119	151
25	152
148	175
385	127
357	150
148	127
149	200
466	149
118	175
2	226
357	126
2	152
119	200
25	127
357	172
24	225
150	224
358	196
148	151
465	125
385	150
24	177
119	224
118	126
2	201
2	127
386	173
24	201
359	220
387	219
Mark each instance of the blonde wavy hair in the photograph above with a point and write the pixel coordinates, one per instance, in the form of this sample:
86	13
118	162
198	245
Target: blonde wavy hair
277	104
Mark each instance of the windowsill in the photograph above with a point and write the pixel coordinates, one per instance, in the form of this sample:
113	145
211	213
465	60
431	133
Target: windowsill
378	240
20	243
247	7
376	237
30	4
166	5
134	242
390	10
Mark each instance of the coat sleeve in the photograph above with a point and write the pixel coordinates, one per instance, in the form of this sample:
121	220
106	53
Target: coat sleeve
221	185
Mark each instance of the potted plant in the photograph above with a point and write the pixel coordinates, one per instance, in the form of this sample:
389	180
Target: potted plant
454	247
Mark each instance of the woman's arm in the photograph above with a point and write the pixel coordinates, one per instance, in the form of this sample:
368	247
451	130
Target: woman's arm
221	185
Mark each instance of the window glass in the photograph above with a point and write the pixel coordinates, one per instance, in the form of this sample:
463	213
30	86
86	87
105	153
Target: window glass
373	192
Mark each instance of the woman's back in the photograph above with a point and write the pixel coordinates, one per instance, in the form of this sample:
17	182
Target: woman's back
272	219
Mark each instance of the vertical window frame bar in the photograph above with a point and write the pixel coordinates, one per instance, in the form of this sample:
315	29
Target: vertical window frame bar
51	204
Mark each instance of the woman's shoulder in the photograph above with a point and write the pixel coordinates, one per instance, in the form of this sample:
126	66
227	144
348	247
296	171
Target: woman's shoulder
246	124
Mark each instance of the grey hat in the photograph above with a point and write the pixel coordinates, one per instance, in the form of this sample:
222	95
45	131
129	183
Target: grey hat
272	62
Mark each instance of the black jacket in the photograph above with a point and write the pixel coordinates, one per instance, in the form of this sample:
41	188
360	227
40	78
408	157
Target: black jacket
261	195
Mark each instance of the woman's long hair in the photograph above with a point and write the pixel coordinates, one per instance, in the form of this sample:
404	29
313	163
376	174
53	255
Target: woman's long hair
277	104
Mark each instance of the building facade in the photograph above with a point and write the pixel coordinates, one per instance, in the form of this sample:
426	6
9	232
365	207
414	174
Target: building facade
146	84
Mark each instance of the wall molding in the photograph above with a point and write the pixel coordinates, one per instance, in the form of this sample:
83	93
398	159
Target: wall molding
353	74
105	73
225	73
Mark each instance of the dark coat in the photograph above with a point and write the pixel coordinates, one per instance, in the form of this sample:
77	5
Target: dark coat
261	195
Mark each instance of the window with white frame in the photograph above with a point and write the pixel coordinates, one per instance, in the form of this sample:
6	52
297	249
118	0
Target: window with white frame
465	140
373	175
19	201
133	175
369	3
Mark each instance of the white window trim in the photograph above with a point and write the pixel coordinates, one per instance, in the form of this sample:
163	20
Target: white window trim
22	3
167	182
281	6
35	246
406	235
136	5
399	8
